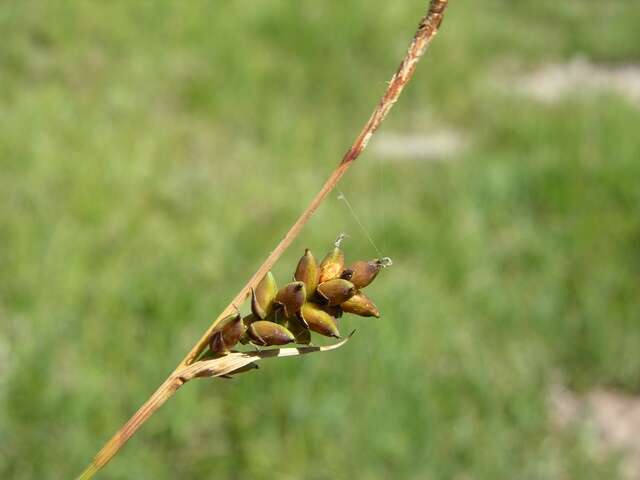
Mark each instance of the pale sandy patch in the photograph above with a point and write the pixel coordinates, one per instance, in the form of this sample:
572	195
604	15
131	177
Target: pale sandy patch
613	416
439	145
553	82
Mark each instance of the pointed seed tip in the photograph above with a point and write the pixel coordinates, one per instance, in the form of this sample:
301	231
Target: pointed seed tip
339	239
385	262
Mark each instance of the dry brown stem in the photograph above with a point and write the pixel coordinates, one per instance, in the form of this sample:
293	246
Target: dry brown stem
189	367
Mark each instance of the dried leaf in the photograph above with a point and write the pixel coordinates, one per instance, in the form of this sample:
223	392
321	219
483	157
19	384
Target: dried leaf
233	361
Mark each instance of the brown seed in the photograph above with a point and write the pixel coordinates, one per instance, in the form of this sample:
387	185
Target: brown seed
265	333
292	296
320	321
361	305
263	296
333	263
336	291
362	273
307	272
226	334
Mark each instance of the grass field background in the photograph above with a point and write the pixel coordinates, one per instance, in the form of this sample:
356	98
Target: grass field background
153	153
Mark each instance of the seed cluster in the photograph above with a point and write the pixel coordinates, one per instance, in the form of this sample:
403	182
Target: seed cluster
313	301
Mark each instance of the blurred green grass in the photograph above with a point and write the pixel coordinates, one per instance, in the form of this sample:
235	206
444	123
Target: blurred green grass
152	153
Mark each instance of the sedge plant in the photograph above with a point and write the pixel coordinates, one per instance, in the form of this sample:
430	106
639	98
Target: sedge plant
211	355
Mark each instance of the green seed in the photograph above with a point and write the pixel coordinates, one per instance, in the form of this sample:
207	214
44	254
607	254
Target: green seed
320	321
265	333
307	272
263	297
251	318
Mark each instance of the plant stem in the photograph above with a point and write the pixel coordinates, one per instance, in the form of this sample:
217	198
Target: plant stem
215	367
427	29
153	403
